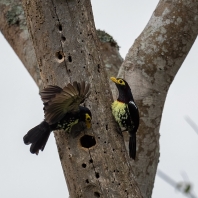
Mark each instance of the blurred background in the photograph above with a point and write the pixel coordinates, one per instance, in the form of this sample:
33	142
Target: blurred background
25	175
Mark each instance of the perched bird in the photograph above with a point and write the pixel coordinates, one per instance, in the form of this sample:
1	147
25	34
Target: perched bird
62	111
126	113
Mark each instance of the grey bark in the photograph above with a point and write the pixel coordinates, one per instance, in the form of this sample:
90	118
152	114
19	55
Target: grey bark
70	50
150	67
13	27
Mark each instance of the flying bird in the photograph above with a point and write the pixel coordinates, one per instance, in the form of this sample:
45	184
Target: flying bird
62	110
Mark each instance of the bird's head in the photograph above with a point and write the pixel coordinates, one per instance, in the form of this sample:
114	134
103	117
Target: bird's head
124	90
85	116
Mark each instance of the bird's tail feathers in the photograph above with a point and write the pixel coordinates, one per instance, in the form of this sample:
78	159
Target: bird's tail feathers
38	137
132	146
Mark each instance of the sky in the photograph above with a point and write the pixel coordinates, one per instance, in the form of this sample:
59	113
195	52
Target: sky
25	175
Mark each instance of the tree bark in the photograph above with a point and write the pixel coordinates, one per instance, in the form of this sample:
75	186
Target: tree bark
13	27
69	51
150	67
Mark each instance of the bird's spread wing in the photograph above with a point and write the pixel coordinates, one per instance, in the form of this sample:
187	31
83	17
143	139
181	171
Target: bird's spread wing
49	92
68	100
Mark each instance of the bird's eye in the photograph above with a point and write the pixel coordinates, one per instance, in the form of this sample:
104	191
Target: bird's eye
88	119
120	81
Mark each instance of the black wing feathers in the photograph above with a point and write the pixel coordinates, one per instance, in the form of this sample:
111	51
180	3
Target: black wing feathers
134	114
49	92
61	101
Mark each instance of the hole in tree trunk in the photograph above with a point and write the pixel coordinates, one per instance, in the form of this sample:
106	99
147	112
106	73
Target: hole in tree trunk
60	27
87	141
96	194
84	165
69	58
97	175
63	38
60	56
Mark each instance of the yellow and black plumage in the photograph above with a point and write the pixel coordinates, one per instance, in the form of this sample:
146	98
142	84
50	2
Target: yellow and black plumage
62	111
126	113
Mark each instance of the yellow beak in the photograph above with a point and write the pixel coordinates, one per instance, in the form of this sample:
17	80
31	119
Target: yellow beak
114	79
88	120
88	124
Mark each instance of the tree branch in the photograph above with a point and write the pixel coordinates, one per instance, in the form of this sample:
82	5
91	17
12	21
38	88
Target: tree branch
150	67
13	27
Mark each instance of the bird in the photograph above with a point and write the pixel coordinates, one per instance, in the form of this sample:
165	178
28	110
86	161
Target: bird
126	113
62	110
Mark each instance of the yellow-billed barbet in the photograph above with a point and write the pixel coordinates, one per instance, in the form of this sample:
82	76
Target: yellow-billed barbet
62	111
126	113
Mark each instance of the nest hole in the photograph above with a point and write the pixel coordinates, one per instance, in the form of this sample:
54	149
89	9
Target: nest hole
87	141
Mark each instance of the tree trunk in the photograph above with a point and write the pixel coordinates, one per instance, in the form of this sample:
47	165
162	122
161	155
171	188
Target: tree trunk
13	27
69	51
150	67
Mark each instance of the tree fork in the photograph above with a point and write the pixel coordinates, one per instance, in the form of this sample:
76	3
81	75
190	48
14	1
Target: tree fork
67	49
